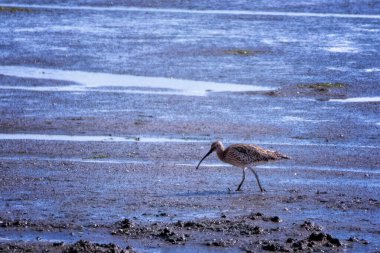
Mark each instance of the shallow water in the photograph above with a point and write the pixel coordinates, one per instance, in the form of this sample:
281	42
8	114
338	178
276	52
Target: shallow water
358	100
80	138
152	84
90	81
209	12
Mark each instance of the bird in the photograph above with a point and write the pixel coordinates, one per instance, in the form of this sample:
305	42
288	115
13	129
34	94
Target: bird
244	156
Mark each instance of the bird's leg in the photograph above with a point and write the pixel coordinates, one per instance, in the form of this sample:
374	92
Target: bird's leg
257	178
242	181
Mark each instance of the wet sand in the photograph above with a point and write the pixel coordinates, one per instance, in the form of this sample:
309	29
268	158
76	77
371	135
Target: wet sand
94	155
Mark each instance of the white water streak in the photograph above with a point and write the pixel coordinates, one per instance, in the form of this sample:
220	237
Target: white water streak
93	80
357	100
187	11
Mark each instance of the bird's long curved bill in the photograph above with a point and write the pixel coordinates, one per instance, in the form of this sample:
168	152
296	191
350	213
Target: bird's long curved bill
204	157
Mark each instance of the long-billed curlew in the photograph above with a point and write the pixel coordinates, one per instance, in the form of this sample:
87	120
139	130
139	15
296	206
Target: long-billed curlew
244	156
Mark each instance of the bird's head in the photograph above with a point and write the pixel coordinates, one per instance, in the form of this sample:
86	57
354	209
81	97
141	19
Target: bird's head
214	146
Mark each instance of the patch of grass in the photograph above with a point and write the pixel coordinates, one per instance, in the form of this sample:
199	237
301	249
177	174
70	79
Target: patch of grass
15	9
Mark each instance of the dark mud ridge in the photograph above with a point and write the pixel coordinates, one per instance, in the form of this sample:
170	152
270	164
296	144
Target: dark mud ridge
249	233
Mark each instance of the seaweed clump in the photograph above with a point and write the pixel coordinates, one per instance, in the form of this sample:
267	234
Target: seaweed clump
323	87
15	9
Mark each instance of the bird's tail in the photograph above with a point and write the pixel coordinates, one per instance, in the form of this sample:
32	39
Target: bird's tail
282	156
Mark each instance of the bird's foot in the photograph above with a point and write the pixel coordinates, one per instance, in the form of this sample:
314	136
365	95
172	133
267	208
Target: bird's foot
238	190
263	190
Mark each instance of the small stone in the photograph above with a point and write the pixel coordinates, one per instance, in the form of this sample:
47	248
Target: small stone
353	239
317	237
257	230
333	240
289	240
275	219
180	224
298	245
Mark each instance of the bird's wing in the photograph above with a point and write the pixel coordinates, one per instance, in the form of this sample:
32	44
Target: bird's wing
253	153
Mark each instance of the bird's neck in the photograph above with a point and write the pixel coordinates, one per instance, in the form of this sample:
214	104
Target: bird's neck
220	152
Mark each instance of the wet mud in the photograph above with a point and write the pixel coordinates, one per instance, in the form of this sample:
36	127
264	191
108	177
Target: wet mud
101	128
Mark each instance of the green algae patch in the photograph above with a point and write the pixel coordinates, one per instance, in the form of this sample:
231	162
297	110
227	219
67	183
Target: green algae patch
14	10
242	52
323	87
98	157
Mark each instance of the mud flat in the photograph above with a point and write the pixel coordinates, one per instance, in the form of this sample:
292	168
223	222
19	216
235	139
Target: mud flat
102	127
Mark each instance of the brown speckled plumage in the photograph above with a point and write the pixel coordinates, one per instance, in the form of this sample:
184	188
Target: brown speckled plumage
244	155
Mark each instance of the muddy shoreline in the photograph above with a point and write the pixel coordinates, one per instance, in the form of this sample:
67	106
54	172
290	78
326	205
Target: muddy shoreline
101	127
251	233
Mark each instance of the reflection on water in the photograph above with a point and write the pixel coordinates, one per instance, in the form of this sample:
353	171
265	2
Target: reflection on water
357	100
88	81
213	12
90	138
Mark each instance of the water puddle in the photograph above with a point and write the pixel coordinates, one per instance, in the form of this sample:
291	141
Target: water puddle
93	138
150	139
300	119
90	81
357	100
321	168
337	45
74	160
188	11
101	237
372	70
373	184
203	165
339	69
289	167
343	49
28	235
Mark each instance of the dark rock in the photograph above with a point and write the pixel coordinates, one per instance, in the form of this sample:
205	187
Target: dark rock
317	237
320	237
311	226
257	230
126	223
299	245
170	236
221	243
180	224
192	224
290	240
333	240
87	247
353	239
270	246
275	219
